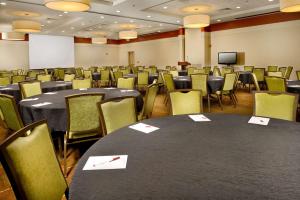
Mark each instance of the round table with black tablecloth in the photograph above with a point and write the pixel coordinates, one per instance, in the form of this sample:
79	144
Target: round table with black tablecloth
55	113
245	77
226	159
293	86
182	73
184	82
50	86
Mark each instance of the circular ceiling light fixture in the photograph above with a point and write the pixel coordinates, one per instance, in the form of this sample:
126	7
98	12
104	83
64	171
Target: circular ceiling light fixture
196	21
290	5
13	36
127	35
99	40
68	5
26	26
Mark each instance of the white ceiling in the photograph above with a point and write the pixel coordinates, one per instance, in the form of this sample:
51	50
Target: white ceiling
148	16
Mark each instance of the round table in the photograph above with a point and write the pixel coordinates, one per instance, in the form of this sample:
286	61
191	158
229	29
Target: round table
55	113
226	158
245	77
293	86
182	73
214	83
50	86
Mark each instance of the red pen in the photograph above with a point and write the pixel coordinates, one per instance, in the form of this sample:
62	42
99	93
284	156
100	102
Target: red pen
115	158
102	163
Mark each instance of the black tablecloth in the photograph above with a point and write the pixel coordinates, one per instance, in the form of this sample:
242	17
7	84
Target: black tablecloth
226	159
55	113
182	73
184	82
245	77
293	86
51	86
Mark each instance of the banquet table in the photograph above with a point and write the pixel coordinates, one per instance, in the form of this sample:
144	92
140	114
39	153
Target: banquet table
293	86
226	158
56	114
50	86
245	77
184	82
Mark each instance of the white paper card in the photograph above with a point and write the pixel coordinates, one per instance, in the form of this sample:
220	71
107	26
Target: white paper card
32	99
106	162
50	93
41	104
294	85
111	88
199	118
145	128
127	90
82	88
63	84
5	88
259	120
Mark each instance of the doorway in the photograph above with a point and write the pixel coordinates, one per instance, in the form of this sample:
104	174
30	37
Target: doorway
131	60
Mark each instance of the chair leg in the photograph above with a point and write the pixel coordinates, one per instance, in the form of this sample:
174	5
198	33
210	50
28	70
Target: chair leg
208	102
220	102
65	156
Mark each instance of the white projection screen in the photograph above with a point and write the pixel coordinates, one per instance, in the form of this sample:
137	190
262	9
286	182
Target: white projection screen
46	51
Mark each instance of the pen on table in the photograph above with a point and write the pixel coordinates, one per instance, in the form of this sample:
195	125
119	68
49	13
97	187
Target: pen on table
114	159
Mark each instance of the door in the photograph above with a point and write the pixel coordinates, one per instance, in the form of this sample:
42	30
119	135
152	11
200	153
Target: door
131	58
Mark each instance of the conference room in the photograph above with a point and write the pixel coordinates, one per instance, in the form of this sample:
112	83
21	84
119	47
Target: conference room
149	99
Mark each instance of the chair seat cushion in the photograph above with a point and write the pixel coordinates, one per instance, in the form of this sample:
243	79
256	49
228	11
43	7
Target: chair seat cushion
83	134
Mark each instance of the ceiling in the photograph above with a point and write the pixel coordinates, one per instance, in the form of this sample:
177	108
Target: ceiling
108	17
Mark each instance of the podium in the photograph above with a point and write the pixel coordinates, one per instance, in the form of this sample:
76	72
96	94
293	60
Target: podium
184	65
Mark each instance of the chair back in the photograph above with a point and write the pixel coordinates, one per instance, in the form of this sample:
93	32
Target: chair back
104	75
143	78
78	72
31	164
190	70
248	68
186	102
255	82
30	88
199	82
282	70
216	71
174	73
275	74
10	113
87	74
298	75
60	74
275	84
288	72
4	81
226	70
207	69
117	113
150	96
18	78
200	71
43	77
69	77
32	74
259	73
126	83
83	115
80	84
272	68
276	105
229	81
169	83
117	75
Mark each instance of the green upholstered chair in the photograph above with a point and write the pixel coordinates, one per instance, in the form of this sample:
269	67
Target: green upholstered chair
168	68
55	73
125	71
134	70
148	105
43	77
117	113
14	72
10	113
199	82
30	88
207	69
228	88
153	69
142	80
260	74
282	70
69	77
46	71
87	74
32	74
105	78
226	70
61	74
18	78
169	83
126	83
117	75
272	68
255	82
174	73
78	72
81	84
276	105
4	81
199	71
190	70
216	71
275	74
186	102
298	75
288	72
275	84
93	69
83	120
29	160
248	68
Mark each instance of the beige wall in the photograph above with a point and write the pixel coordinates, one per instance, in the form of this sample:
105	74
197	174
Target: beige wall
13	54
160	52
272	44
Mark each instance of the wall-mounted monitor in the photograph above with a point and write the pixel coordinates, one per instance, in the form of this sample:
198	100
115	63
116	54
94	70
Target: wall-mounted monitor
227	58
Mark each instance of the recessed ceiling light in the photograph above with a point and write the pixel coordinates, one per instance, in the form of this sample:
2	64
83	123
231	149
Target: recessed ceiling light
48	21
118	11
102	17
218	20
131	21
238	7
115	22
271	0
42	25
66	12
62	31
158	31
165	7
150	26
160	24
60	15
3	3
149	16
72	28
82	24
178	21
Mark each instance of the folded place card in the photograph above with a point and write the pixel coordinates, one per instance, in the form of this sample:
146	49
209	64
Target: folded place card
82	88
127	90
106	162
259	120
41	104
145	128
32	99
62	84
199	118
50	93
111	88
5	88
294	85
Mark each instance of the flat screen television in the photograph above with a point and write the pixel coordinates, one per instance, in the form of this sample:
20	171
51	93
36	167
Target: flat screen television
227	58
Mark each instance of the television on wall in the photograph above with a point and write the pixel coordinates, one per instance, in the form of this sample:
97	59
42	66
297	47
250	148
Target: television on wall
227	58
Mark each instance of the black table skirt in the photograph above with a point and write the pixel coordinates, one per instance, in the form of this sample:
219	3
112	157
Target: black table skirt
184	82
293	86
51	86
56	113
97	76
226	159
245	77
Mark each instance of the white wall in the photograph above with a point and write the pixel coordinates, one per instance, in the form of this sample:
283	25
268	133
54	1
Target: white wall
13	55
272	44
194	47
160	52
